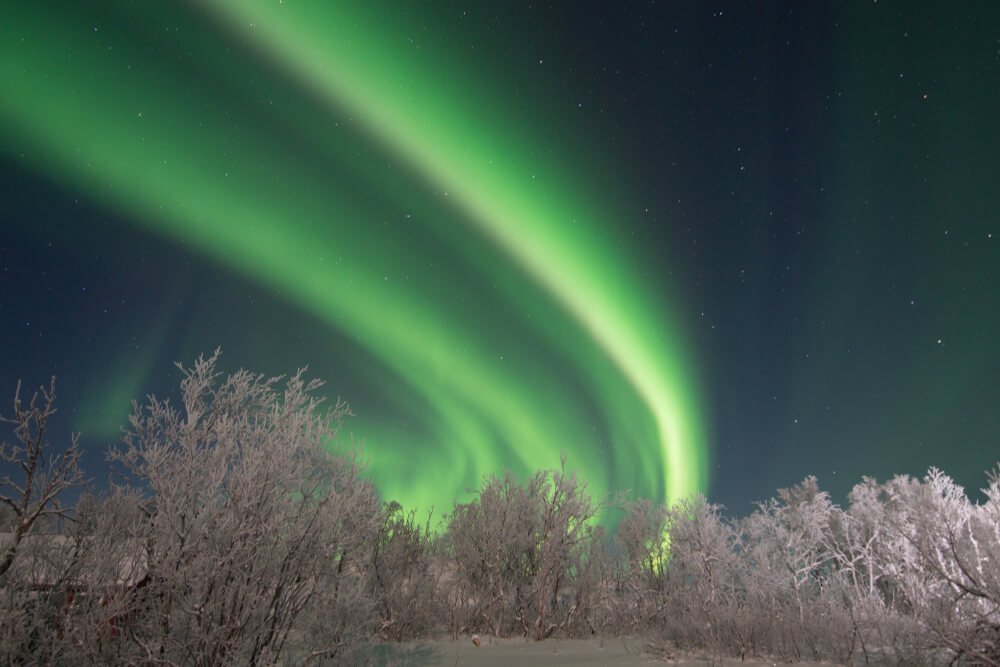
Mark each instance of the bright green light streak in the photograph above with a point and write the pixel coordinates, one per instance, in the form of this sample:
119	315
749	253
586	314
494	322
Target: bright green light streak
353	68
167	167
171	169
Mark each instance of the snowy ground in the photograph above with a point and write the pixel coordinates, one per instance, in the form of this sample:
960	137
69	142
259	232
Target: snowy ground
616	652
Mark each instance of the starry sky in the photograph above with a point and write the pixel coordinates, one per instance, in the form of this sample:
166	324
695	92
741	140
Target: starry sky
693	246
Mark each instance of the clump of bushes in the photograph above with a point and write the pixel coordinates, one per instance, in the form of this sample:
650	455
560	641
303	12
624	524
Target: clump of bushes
244	534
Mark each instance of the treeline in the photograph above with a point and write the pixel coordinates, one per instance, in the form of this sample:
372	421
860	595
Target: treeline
237	532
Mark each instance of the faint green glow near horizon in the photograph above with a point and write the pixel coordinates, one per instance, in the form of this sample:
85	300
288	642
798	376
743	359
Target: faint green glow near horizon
123	136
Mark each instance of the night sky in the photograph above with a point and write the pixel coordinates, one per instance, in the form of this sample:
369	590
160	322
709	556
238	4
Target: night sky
695	246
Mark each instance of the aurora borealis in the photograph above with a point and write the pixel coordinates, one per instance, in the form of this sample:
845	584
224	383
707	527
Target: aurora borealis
693	249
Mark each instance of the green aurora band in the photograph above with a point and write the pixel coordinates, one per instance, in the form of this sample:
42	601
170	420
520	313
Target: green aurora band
283	153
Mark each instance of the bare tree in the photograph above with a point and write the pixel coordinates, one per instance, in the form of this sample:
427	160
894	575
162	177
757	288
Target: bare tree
947	566
36	565
403	577
244	525
565	529
40	478
491	542
642	547
864	585
520	553
702	594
